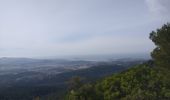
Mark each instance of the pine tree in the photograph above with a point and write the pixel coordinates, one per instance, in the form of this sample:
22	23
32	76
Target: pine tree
161	54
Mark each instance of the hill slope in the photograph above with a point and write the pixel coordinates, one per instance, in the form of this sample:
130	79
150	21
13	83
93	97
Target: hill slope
138	83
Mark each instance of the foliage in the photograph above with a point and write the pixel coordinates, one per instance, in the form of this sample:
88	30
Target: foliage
143	82
138	83
161	54
75	82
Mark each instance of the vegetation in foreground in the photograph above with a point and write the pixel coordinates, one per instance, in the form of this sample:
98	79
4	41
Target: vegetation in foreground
144	82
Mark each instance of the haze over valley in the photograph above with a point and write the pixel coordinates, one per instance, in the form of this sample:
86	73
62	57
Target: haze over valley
84	49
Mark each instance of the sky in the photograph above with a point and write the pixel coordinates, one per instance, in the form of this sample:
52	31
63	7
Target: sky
56	28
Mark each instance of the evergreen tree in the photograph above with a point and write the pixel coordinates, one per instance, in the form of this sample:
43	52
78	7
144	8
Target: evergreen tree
161	54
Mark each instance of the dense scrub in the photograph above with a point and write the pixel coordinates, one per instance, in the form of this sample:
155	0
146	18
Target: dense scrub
138	83
143	82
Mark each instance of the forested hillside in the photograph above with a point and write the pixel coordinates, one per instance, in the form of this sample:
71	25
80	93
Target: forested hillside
149	81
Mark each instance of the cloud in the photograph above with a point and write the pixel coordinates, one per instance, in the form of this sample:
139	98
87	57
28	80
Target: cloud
61	27
159	8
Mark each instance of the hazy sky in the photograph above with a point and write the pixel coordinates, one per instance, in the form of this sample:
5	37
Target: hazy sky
37	28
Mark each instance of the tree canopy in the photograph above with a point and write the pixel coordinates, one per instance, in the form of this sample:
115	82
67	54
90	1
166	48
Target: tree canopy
161	54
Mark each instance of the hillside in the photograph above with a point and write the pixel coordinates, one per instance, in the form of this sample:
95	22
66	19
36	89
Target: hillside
149	81
138	83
